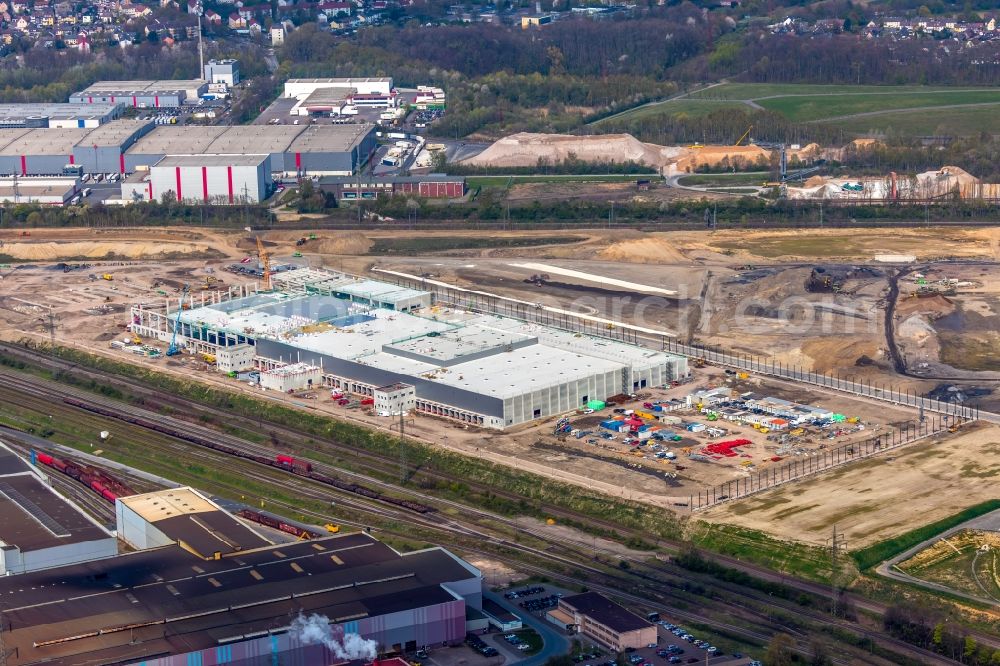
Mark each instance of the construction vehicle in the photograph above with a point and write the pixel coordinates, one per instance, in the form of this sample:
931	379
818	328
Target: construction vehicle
107	276
136	340
698	363
265	262
331	528
742	375
208	358
745	135
173	349
210	281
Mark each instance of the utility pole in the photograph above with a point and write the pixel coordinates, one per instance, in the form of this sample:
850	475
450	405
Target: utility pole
201	45
837	543
402	446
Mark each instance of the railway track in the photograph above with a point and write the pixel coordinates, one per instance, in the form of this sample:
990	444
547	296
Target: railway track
45	392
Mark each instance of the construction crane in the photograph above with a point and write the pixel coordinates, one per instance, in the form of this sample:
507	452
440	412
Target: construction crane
173	349
745	135
265	262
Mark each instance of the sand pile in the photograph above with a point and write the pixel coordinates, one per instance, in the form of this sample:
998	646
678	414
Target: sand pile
99	250
715	155
526	149
348	244
642	251
946	180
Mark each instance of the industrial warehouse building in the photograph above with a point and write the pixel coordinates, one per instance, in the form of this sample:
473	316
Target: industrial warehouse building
125	146
431	185
293	150
204	589
142	94
51	191
41	529
365	335
185	517
223	71
604	621
38	116
45	152
223	179
380	88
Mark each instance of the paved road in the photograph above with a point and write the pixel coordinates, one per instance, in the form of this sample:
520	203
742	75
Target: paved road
556	642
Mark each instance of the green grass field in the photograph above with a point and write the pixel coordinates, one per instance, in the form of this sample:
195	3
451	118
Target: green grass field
756	91
901	110
675	107
954	122
813	108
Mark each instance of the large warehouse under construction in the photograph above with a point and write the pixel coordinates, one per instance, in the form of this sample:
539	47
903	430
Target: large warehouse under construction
364	335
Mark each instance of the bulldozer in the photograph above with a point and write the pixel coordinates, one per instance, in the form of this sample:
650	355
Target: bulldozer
107	276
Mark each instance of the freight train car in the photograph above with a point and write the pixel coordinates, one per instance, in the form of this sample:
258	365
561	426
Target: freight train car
102	483
274	523
287	463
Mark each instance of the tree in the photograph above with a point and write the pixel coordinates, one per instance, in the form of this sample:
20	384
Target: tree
971	647
560	660
819	656
779	650
938	637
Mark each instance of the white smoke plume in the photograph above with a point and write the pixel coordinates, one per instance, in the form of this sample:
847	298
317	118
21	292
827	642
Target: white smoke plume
316	629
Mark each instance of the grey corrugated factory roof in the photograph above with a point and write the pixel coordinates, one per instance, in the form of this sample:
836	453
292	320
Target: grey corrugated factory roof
46	142
383	79
210	160
61	141
330	138
172	139
186	140
255	138
344	576
173	85
56	110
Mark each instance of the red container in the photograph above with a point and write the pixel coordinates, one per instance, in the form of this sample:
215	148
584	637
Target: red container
368	401
44	458
285	460
108	495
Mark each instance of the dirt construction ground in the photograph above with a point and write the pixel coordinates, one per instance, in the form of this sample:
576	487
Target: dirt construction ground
881	497
752	291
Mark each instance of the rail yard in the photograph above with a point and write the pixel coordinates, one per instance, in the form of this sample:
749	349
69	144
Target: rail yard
611	491
297	496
